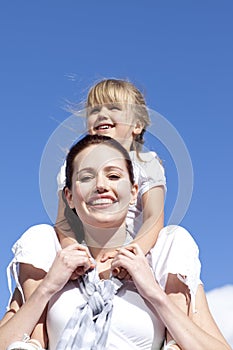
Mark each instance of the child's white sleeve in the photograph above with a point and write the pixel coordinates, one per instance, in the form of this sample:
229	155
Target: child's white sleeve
152	173
61	178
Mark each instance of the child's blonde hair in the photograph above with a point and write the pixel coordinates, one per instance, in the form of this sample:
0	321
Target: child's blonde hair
121	91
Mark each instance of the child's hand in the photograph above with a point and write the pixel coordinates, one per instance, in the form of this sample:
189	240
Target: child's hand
108	255
121	273
118	272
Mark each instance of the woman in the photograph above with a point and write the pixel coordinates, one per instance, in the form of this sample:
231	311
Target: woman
87	308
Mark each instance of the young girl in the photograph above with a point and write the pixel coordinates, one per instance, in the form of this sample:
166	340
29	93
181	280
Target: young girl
116	108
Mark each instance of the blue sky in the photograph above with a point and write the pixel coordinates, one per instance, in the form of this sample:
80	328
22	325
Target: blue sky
179	53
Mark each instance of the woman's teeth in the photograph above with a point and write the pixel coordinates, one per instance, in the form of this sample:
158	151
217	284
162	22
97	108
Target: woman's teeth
102	201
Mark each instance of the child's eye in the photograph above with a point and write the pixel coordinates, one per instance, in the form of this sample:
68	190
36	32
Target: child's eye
113	107
94	110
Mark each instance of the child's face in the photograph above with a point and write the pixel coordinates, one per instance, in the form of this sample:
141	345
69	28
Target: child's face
115	120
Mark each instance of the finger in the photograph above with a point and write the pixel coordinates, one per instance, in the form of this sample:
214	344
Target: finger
109	255
126	252
127	277
79	247
116	271
122	274
133	248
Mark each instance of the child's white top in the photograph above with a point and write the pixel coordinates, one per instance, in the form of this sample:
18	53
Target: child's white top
148	173
133	324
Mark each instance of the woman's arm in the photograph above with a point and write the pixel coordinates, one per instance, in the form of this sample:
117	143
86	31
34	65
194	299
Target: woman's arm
190	330
70	262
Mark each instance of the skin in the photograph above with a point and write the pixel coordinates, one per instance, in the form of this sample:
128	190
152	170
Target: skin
191	331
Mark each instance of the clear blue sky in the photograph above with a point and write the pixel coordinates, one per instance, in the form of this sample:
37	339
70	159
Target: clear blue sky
179	52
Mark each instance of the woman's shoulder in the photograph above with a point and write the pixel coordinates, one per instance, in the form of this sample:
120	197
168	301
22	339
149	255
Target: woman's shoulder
38	234
179	239
176	252
39	243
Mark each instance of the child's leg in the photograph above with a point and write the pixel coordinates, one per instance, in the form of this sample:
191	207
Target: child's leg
15	305
39	335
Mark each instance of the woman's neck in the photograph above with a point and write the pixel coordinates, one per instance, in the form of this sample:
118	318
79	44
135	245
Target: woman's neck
104	240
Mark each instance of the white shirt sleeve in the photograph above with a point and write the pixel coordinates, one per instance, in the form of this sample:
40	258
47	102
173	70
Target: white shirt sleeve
177	253
151	172
38	246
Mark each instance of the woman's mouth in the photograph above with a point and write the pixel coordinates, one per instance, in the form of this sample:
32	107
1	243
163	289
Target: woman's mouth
101	202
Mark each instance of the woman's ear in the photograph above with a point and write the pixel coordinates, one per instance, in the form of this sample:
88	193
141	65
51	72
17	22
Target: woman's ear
134	194
69	197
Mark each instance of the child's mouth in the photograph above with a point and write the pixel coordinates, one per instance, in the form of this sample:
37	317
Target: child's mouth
104	127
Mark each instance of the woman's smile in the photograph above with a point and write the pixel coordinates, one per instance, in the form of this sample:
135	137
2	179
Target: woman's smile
101	202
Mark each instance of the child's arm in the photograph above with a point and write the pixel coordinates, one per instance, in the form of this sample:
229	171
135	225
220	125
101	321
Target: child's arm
153	218
153	222
20	319
68	223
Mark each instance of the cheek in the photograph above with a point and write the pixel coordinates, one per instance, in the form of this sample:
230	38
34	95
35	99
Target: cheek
90	122
124	191
79	194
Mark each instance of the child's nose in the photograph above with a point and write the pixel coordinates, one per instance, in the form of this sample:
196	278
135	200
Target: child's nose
103	112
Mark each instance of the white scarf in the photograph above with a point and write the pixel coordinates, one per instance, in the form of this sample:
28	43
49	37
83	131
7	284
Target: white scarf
88	327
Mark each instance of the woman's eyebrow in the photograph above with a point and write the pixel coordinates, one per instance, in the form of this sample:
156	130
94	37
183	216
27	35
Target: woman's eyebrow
107	168
87	169
114	167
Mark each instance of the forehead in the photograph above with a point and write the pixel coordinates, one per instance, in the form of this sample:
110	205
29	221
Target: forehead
99	156
110	94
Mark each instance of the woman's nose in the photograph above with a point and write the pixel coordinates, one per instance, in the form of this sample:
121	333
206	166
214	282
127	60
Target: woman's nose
101	184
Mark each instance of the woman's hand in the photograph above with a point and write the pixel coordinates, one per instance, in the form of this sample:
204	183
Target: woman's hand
70	263
132	259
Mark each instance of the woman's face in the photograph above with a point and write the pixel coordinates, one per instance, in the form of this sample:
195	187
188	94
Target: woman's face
101	189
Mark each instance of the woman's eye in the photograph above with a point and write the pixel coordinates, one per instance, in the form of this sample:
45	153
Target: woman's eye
114	177
85	178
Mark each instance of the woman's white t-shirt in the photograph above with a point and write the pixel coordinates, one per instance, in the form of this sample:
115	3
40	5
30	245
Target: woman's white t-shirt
133	324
